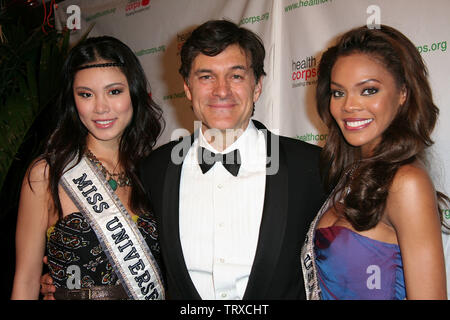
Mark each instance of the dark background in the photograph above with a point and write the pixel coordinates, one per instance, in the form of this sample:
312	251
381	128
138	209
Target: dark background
30	13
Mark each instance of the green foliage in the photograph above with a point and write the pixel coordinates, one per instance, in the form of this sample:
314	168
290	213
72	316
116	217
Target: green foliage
30	62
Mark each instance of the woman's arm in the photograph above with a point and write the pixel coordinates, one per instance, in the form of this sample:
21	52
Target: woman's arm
412	210
32	222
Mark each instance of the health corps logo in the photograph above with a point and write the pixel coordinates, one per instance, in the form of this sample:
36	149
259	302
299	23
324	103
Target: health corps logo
135	6
304	72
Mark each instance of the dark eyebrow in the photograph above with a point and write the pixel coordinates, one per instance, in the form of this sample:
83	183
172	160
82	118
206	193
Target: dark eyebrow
114	84
237	67
203	71
83	88
108	86
336	84
358	84
365	81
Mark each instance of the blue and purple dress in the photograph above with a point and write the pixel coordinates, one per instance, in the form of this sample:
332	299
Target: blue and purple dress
351	266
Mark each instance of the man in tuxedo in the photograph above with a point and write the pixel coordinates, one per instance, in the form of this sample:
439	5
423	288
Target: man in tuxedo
233	201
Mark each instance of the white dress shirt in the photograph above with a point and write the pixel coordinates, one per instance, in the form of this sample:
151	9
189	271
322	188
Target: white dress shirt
220	216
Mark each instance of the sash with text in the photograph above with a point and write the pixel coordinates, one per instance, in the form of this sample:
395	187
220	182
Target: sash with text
118	235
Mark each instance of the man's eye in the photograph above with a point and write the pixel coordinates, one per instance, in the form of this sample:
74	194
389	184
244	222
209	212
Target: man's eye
205	77
237	76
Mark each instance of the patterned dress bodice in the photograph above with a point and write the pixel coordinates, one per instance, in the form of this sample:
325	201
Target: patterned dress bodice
72	245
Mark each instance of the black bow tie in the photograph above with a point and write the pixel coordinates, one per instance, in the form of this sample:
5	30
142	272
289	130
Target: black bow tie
231	161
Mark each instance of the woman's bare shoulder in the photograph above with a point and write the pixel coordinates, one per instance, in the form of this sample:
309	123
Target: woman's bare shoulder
411	177
38	171
412	194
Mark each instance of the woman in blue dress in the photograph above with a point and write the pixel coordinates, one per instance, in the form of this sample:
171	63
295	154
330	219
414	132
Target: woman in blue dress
378	236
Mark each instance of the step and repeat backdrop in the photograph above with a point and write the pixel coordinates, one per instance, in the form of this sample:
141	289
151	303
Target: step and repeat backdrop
295	33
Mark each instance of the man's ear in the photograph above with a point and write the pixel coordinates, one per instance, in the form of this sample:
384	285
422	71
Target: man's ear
187	91
258	90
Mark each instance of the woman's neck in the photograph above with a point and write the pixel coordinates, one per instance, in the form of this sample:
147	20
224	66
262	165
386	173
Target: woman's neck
107	152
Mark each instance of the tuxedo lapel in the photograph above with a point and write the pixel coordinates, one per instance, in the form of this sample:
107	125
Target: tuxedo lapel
272	229
170	235
270	240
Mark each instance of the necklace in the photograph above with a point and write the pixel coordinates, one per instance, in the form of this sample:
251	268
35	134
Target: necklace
114	179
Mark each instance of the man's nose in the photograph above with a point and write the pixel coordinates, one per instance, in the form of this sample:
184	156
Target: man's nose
221	88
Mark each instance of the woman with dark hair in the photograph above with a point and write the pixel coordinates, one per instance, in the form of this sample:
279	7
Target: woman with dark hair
378	236
82	199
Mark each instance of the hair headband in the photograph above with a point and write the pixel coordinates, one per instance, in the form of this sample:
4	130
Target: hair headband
101	65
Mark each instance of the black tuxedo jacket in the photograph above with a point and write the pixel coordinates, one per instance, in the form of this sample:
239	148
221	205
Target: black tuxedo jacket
293	196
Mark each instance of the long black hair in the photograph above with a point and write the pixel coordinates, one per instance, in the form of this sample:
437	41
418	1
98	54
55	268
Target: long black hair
68	140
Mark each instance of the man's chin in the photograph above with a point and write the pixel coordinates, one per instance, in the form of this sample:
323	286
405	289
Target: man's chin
224	125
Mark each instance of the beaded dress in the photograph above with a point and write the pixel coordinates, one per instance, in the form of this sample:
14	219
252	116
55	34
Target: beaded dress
72	241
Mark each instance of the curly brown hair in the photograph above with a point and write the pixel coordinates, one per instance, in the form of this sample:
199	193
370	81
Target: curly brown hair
403	142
